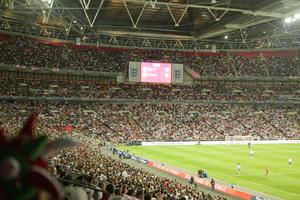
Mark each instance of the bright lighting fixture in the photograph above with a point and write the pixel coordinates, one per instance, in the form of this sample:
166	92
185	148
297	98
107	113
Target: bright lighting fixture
292	18
297	16
288	20
226	37
47	1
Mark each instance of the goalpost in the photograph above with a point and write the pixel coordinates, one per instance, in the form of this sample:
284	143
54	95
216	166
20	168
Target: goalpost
240	138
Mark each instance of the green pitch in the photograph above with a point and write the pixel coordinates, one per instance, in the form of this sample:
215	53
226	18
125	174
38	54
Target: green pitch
220	162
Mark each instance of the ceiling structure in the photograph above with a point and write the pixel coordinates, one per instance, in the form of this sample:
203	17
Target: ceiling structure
170	24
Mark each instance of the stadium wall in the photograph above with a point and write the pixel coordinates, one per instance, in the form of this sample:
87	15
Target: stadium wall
202	181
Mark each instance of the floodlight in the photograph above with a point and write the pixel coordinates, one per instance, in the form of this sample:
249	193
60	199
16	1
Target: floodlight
297	16
47	1
288	20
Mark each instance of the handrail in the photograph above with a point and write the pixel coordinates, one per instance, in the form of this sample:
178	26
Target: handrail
107	100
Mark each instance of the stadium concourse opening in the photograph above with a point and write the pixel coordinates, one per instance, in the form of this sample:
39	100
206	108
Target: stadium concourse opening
206	91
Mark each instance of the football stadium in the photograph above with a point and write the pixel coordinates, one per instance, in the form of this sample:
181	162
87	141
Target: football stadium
149	100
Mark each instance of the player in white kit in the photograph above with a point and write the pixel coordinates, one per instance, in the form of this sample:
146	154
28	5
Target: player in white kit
251	154
238	168
290	162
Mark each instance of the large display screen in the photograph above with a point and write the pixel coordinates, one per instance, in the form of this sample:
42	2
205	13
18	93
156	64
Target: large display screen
156	72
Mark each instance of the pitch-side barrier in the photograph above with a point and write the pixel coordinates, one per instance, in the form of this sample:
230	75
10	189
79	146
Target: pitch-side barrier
204	182
221	142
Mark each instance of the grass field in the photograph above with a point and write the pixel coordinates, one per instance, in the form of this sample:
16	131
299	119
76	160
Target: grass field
221	160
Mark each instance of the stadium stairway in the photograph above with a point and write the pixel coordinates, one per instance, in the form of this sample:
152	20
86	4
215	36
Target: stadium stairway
265	66
209	125
232	64
246	127
275	127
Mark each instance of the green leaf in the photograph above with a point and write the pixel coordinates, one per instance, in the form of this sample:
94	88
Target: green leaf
28	194
35	147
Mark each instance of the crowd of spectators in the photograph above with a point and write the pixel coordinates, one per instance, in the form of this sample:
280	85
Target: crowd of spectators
91	89
245	66
118	123
282	66
114	179
34	53
88	173
160	122
101	176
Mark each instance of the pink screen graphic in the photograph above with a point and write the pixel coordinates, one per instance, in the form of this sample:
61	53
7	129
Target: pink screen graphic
156	72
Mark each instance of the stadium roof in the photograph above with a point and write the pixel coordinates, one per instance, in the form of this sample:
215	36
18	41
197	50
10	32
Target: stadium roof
183	24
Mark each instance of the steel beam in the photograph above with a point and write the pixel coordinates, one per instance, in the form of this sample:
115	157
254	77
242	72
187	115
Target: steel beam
86	4
244	11
12	2
231	27
217	18
68	29
84	10
153	2
49	11
134	23
97	13
243	36
129	14
66	16
186	45
177	23
146	43
171	4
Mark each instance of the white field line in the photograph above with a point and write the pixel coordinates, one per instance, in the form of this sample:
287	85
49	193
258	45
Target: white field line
283	191
270	174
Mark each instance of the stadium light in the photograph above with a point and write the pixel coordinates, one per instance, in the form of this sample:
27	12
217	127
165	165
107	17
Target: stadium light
288	20
47	1
226	37
291	19
297	16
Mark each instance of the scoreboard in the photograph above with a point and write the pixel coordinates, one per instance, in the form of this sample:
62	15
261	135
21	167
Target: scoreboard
150	72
